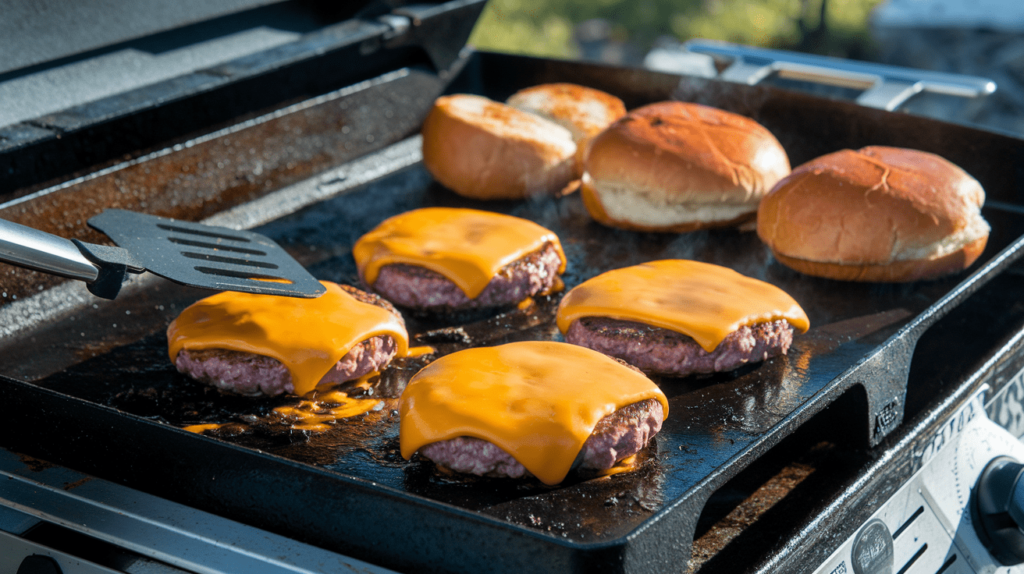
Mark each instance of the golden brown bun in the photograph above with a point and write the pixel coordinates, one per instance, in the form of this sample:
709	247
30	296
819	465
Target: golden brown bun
486	150
675	166
596	210
876	214
581	110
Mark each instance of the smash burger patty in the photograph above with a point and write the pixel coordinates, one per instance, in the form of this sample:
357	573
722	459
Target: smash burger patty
442	260
252	374
528	408
617	436
656	350
420	288
255	375
677	317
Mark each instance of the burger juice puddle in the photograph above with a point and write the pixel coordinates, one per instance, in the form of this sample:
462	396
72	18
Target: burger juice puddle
318	411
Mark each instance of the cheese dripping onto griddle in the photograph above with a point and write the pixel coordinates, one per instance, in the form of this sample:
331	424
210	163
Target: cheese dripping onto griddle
308	336
537	400
704	301
466	246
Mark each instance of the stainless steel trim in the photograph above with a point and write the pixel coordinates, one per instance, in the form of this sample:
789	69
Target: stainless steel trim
42	251
159	529
885	87
13	550
14	522
399	25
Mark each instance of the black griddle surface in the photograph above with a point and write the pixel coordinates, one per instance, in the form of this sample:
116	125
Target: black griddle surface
712	418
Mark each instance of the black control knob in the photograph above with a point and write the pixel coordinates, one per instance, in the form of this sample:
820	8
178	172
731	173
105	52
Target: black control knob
998	510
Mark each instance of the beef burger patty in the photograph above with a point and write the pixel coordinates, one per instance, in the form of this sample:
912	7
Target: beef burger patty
420	288
256	375
616	436
666	352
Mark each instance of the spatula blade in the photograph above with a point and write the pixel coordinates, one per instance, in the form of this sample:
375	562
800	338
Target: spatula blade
207	256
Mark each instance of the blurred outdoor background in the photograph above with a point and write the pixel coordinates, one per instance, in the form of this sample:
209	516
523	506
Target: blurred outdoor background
974	37
628	29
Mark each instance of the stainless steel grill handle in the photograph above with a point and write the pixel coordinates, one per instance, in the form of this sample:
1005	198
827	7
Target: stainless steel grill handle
885	87
41	251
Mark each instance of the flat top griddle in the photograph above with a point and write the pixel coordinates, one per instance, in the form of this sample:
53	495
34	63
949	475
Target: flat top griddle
111	399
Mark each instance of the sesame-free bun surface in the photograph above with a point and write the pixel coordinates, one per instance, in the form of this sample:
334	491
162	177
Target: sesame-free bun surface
581	110
486	150
876	214
676	166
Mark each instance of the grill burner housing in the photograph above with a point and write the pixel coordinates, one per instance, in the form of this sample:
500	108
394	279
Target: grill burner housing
110	400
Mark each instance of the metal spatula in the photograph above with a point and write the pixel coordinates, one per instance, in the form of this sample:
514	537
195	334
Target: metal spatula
192	254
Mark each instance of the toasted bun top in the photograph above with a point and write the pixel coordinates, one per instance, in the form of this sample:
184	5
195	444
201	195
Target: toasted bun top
308	336
876	205
487	150
688	152
503	120
583	111
537	400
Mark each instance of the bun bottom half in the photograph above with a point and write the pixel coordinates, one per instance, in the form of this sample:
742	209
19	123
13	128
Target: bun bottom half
648	216
896	272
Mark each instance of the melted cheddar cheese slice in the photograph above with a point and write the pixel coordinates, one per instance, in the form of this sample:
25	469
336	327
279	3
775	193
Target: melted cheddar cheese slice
308	336
704	301
466	246
537	400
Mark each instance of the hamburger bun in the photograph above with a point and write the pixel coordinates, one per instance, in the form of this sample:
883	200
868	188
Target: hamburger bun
876	214
678	167
585	112
483	149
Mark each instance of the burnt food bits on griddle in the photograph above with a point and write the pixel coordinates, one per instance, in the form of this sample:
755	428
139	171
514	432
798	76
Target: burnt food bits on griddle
678	317
678	167
876	214
442	260
528	408
262	345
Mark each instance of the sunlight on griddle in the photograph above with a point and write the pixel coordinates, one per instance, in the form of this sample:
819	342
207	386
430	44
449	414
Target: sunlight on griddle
200	429
627	464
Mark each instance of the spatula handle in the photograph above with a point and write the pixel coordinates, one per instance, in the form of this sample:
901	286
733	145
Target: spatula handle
41	251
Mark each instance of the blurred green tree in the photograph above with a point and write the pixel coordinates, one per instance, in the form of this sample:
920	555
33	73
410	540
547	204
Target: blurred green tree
545	27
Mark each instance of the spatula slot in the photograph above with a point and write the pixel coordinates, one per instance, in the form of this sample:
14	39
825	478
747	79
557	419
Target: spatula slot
242	275
216	246
178	229
232	260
